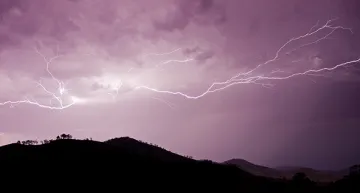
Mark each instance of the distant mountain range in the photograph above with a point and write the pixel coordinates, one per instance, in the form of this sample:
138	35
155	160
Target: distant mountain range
288	172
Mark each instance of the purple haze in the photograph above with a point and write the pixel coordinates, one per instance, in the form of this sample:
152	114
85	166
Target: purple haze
311	121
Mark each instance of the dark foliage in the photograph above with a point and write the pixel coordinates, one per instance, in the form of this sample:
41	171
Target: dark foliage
129	165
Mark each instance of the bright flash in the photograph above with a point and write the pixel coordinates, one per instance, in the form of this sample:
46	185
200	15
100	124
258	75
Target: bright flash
77	100
113	82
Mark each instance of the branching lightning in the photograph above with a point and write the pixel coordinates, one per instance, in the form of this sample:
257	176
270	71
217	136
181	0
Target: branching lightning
161	54
248	77
57	96
175	61
115	89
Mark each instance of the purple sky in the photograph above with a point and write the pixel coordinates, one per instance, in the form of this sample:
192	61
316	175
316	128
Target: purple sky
116	57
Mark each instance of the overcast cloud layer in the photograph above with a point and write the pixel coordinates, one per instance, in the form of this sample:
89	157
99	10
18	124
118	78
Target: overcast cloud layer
184	46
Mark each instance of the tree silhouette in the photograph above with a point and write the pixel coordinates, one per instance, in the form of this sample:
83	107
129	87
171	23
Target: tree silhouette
28	142
45	141
64	136
354	170
299	177
301	180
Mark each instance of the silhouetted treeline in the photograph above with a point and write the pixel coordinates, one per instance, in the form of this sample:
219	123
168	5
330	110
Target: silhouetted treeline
46	141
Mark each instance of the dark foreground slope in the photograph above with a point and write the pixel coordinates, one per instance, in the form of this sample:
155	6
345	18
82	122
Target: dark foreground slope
128	165
132	164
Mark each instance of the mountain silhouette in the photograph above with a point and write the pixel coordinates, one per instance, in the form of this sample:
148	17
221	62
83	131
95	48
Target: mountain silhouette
288	172
127	164
143	149
127	159
255	169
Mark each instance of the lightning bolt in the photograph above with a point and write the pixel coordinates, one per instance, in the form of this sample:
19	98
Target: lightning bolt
169	104
175	61
57	96
247	77
115	88
161	54
326	36
168	61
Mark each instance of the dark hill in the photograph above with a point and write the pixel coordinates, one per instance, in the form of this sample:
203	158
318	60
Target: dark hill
257	170
287	172
139	148
128	165
122	160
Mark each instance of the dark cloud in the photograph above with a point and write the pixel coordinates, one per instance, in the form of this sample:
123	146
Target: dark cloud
202	57
6	6
198	53
189	51
203	12
23	19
